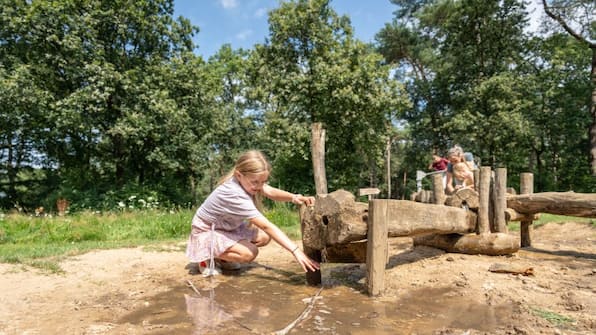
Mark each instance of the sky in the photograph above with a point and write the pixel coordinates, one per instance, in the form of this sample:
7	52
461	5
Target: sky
243	23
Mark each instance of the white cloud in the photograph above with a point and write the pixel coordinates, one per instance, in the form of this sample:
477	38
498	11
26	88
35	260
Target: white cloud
227	4
261	12
243	35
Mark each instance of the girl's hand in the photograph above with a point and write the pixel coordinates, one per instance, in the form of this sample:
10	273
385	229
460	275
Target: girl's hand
299	199
304	261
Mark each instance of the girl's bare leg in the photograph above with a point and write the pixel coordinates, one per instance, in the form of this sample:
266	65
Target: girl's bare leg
245	251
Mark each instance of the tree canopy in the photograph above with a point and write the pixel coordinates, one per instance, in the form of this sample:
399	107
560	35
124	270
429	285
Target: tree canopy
102	101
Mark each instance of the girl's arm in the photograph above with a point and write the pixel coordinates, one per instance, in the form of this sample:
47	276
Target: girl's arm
283	240
449	183
276	194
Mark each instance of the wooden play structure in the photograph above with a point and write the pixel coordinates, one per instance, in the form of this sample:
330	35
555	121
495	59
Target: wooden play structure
340	229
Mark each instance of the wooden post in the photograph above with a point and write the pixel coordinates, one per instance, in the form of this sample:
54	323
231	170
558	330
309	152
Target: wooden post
526	186
376	249
438	191
500	200
318	162
388	149
318	157
483	199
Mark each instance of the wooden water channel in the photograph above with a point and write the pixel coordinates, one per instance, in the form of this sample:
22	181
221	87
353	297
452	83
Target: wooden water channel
340	229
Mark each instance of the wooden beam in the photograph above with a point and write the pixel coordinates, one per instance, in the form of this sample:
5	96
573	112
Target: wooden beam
560	203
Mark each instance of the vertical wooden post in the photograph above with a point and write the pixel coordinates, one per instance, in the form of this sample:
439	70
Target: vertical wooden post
318	157
438	191
483	200
376	248
526	186
388	150
500	200
318	161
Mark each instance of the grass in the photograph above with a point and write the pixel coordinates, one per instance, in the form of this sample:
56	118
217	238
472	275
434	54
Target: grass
558	320
552	218
42	242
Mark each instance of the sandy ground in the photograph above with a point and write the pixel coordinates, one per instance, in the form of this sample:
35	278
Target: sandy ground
98	290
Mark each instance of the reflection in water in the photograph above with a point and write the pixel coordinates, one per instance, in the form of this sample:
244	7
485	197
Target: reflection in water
206	314
261	301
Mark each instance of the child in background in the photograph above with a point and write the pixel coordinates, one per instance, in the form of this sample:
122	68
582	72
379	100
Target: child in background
229	227
438	164
463	176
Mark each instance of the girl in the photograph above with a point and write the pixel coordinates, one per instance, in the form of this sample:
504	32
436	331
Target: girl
229	226
463	176
457	155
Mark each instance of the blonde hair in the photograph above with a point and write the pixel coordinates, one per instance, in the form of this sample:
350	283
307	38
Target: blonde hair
251	162
457	151
462	172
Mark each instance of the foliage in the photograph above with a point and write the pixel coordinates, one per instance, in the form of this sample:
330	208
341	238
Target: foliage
479	80
102	102
312	70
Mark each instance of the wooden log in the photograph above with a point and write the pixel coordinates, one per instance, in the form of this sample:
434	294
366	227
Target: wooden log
312	227
525	227
464	197
404	218
513	215
483	198
438	189
495	244
500	203
561	203
353	252
424	196
313	278
377	248
318	157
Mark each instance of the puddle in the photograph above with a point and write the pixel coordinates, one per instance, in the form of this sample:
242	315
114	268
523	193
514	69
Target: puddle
261	301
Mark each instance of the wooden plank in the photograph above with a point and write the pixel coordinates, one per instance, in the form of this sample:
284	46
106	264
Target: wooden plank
369	191
376	250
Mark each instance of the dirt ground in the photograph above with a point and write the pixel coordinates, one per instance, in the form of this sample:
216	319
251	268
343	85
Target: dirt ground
126	291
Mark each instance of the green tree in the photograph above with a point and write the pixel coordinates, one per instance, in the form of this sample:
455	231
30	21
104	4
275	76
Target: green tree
577	18
311	69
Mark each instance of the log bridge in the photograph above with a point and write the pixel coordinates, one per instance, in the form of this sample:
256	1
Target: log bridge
340	229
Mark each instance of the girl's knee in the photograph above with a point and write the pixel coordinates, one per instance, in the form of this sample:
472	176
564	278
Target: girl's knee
250	255
262	240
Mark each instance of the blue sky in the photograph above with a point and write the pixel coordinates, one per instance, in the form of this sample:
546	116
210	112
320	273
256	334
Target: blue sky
243	23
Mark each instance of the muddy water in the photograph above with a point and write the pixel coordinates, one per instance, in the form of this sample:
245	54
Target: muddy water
261	300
